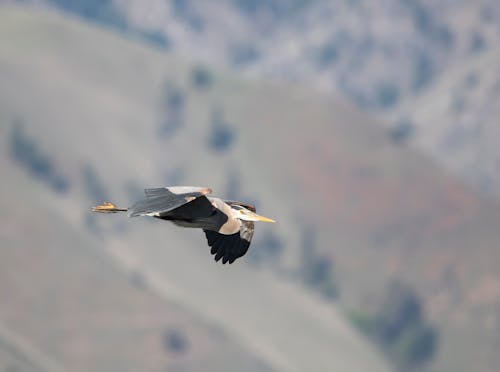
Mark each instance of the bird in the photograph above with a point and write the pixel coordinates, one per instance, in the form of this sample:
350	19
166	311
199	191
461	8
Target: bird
228	225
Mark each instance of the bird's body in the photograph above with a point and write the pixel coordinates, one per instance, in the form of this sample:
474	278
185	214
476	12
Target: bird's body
228	225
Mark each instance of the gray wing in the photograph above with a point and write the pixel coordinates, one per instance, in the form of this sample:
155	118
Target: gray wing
230	247
163	200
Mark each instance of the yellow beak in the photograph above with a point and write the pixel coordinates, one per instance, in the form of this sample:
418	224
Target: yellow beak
264	219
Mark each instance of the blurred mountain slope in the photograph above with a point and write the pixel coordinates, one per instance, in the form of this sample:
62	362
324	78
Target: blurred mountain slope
456	121
343	46
90	108
122	116
379	56
383	212
65	297
71	301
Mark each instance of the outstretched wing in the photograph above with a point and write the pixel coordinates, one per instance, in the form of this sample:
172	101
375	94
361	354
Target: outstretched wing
163	200
230	247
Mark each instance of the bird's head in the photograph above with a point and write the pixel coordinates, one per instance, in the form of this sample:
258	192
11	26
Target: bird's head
245	214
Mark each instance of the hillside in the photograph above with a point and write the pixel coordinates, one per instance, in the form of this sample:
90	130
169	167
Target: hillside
376	55
67	306
460	128
83	119
114	116
380	57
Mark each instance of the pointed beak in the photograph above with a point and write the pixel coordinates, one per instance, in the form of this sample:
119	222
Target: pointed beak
264	219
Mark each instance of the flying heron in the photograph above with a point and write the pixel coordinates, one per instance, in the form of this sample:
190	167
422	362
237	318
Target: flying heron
228	225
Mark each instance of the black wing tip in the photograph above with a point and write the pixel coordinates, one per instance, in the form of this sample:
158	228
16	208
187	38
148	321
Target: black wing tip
227	248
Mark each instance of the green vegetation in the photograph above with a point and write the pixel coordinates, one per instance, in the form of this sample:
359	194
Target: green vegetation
242	54
96	192
429	25
93	185
477	43
222	134
155	38
172	110
253	8
267	249
424	71
328	54
276	8
175	341
184	11
101	11
316	270
387	95
26	152
402	131
105	12
201	78
400	328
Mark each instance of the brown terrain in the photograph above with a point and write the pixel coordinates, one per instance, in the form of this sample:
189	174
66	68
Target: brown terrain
380	211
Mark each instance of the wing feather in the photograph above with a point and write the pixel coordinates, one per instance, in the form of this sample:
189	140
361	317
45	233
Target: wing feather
162	200
230	247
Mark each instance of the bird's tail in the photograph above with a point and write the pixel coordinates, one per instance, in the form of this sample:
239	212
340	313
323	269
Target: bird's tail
108	207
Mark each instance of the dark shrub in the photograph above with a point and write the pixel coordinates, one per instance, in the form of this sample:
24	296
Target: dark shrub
222	134
402	131
477	43
172	110
242	54
423	71
328	54
201	78
316	270
400	328
267	249
175	341
26	152
387	95
93	185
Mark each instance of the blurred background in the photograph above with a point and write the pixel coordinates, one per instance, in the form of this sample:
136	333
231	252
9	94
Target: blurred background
367	129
